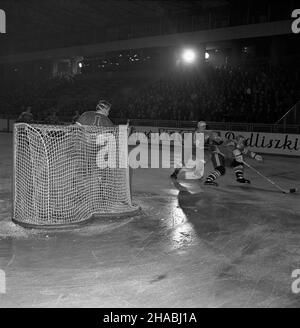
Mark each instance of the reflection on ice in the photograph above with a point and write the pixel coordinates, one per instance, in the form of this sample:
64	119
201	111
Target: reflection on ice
181	230
177	214
182	235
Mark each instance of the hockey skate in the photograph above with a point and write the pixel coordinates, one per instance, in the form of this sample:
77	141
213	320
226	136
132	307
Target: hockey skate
243	180
210	183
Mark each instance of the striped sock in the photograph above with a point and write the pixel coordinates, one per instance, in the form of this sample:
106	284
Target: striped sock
213	176
239	173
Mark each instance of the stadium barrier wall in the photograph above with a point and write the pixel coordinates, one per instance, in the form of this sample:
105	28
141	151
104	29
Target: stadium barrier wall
6	125
224	126
258	140
269	143
261	142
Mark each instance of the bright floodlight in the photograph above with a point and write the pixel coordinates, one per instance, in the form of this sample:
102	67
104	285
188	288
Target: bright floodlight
189	56
80	65
206	55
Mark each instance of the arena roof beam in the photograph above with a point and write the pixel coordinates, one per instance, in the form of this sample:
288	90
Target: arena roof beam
161	41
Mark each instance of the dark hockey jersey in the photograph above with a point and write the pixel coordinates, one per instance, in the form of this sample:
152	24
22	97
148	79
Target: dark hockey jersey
234	145
94	118
25	118
212	141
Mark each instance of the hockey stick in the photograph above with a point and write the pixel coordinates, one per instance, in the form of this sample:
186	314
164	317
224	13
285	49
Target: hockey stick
285	191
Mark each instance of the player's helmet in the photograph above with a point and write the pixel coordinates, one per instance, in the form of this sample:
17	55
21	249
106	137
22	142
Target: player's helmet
240	138
201	125
103	107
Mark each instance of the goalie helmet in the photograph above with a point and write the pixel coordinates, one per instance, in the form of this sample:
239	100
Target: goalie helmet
103	107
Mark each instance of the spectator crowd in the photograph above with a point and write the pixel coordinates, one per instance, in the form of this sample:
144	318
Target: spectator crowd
260	95
225	94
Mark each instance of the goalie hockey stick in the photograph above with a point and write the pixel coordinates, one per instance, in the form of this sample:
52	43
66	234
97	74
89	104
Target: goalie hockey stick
285	191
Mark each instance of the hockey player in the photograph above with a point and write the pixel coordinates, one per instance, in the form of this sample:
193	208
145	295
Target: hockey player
201	127
238	149
213	141
26	116
95	118
98	117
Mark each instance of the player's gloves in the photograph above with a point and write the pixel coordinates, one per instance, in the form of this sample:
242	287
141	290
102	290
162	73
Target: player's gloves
216	139
239	158
238	155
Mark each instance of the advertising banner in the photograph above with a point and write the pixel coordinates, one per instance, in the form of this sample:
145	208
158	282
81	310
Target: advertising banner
261	142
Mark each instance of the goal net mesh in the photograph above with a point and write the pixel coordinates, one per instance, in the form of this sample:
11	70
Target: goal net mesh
67	174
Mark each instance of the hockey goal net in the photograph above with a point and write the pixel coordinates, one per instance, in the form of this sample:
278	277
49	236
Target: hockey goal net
66	174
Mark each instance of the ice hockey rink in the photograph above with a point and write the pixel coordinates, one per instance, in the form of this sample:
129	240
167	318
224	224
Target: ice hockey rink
227	246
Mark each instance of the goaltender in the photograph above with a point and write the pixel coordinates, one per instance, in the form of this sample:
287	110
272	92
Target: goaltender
98	117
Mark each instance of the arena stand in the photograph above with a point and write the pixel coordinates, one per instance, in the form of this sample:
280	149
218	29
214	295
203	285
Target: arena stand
260	94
